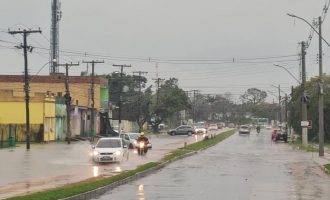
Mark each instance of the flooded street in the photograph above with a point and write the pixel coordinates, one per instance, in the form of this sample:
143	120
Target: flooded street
241	167
49	165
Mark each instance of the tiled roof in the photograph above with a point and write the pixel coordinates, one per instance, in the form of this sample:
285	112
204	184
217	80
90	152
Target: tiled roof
55	78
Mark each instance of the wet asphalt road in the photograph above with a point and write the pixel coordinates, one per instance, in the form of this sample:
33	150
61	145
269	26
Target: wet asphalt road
50	165
239	168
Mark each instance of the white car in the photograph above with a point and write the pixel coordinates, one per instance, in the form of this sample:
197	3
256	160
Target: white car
268	127
213	127
200	129
109	150
130	139
244	129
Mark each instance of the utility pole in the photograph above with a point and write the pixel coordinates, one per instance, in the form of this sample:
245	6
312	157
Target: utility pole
26	80
195	92
54	36
321	94
120	91
303	96
68	99
279	105
158	80
140	73
92	132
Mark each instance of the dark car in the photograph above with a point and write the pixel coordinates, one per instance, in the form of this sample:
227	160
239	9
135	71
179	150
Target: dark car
278	135
182	130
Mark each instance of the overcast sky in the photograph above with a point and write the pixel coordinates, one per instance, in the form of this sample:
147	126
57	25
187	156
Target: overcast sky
215	46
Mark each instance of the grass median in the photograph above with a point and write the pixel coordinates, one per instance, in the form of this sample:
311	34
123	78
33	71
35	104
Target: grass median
91	184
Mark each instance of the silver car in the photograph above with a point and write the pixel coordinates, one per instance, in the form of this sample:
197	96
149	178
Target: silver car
244	129
130	139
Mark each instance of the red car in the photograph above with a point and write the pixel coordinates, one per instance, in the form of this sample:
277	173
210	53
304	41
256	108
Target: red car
277	134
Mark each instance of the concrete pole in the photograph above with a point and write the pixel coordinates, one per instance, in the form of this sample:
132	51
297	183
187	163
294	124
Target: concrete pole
303	96
321	96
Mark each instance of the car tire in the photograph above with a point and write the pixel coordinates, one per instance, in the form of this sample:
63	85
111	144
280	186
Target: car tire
173	133
189	133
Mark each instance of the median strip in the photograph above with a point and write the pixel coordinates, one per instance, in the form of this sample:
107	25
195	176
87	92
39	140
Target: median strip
92	188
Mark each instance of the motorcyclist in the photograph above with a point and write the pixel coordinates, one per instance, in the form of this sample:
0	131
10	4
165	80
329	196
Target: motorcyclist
142	138
258	128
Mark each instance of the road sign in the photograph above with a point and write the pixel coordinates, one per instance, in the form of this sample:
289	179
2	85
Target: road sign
309	124
304	123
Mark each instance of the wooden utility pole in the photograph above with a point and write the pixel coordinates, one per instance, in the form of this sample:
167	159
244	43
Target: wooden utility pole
158	80
68	99
120	91
140	73
26	48
92	131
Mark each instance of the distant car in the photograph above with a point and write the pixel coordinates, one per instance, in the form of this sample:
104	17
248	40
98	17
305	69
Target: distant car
116	129
182	130
130	140
244	129
200	129
268	127
278	135
231	125
213	127
109	150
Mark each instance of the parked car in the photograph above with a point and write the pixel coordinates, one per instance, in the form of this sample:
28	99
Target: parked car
182	130
109	150
231	125
200	129
220	125
244	129
279	135
130	140
213	127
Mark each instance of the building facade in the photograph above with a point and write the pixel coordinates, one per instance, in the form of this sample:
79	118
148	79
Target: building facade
47	106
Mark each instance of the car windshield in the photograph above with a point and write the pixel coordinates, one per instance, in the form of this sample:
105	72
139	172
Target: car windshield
199	126
108	144
134	136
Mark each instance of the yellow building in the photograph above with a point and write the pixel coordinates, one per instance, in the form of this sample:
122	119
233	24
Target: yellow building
43	91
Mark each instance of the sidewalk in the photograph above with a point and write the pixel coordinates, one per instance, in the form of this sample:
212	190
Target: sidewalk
321	161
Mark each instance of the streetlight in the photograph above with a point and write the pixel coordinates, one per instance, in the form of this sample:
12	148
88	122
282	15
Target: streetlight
288	72
321	93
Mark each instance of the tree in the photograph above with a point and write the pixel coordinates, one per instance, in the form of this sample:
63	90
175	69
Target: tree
170	100
254	96
311	88
135	99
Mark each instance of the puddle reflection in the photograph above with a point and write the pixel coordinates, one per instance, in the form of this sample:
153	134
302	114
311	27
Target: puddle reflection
95	171
141	192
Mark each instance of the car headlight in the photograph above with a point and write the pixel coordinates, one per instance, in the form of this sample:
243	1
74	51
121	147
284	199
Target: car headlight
95	153
117	153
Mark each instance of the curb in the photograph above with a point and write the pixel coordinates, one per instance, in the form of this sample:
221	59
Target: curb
102	190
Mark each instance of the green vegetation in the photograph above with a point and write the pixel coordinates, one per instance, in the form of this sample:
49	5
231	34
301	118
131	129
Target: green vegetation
309	148
91	184
327	166
294	106
210	142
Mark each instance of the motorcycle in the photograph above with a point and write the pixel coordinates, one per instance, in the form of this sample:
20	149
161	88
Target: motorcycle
142	148
258	130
